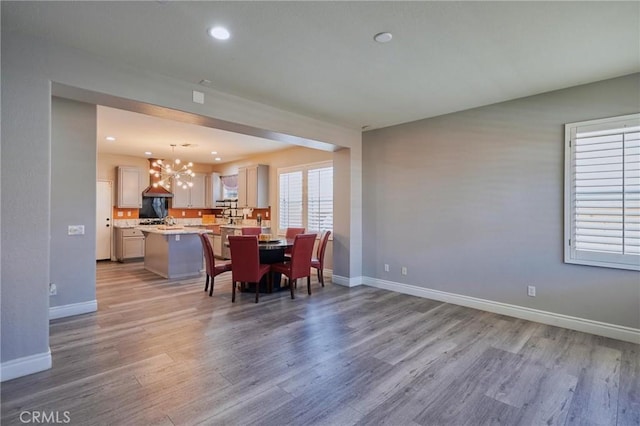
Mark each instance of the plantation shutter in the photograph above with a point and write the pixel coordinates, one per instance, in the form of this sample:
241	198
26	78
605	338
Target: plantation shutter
320	199
605	192
290	203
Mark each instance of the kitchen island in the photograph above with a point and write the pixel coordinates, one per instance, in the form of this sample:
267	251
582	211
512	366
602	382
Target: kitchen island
173	251
226	230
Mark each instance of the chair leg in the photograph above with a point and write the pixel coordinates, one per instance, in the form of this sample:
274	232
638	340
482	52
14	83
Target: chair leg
233	292
257	290
211	289
321	271
206	282
309	284
291	288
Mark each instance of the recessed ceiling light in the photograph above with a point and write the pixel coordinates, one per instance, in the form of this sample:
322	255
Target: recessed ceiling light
219	33
218	158
383	37
214	152
147	153
110	138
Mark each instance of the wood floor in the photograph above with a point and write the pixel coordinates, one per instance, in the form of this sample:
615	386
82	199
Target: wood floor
162	352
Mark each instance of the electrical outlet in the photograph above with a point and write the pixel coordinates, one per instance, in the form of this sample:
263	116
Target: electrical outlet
199	213
53	289
128	214
184	213
531	290
120	214
386	267
404	270
267	215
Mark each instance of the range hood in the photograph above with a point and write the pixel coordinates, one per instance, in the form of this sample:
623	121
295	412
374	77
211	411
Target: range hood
159	191
155	191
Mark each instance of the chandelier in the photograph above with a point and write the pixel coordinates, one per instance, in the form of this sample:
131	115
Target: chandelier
172	173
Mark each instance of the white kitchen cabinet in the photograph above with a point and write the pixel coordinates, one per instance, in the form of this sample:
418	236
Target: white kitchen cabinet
190	198
129	190
253	186
129	244
213	193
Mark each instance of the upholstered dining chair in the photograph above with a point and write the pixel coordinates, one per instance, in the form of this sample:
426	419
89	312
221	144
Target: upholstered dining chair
290	234
251	230
318	261
246	267
300	264
212	269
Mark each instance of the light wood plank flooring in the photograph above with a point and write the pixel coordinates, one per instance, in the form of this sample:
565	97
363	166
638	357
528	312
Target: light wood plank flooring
163	352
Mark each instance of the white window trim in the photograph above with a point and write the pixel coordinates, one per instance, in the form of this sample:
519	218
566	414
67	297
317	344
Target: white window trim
303	168
570	254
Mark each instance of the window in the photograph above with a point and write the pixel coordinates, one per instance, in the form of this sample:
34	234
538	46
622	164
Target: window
229	187
290	200
305	197
602	192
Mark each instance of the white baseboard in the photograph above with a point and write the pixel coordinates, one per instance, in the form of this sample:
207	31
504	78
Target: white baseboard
619	332
346	281
73	309
24	366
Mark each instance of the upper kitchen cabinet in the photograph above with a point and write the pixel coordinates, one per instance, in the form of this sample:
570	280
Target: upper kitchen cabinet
253	186
191	198
129	190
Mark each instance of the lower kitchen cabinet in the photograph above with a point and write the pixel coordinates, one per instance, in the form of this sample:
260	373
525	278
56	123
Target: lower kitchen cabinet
129	244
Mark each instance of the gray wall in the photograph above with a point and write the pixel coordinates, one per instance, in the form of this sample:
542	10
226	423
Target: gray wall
26	171
30	68
73	201
472	204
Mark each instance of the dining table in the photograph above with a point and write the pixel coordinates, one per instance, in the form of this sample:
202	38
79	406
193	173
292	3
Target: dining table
270	252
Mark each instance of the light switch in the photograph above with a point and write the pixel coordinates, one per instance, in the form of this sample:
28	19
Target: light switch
120	214
75	230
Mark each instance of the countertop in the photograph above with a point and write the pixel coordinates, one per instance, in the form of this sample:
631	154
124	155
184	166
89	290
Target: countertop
173	231
243	226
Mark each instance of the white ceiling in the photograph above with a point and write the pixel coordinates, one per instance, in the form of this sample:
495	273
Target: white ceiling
319	59
137	133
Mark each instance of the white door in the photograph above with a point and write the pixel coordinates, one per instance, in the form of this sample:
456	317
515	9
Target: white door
103	219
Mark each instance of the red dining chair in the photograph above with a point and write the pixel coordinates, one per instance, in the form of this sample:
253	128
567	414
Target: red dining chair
300	264
246	267
291	234
251	230
318	261
211	267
